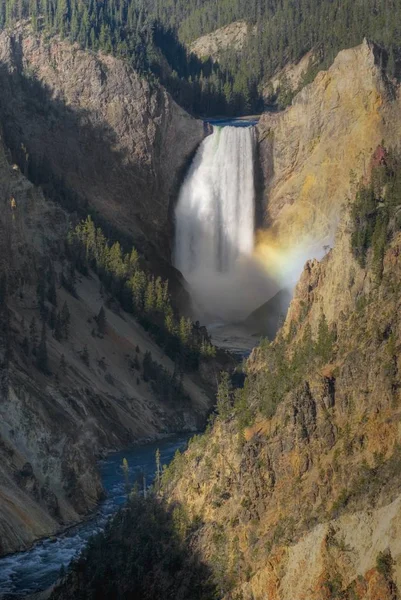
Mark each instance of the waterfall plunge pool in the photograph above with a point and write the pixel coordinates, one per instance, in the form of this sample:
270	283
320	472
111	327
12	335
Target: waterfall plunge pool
215	235
38	568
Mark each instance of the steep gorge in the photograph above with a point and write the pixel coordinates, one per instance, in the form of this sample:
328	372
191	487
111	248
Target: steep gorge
118	146
293	492
301	503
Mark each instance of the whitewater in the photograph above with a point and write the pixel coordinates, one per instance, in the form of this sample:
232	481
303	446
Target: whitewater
215	227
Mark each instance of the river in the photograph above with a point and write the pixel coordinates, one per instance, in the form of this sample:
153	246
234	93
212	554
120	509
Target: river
36	569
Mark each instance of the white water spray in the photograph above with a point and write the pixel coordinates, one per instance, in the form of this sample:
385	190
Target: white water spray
215	220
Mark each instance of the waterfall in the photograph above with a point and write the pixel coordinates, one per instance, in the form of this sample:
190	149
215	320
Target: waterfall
215	218
215	211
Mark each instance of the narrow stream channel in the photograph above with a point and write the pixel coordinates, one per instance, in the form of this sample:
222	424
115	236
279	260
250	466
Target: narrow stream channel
36	569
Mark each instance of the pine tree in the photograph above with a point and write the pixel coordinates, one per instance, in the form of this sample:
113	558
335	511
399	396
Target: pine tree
63	365
85	355
42	357
53	319
125	469
33	335
101	321
158	469
115	262
137	284
147	366
25	346
58	328
169	321
224	396
3	290
41	294
150	295
185	330
324	343
65	320
52	293
133	262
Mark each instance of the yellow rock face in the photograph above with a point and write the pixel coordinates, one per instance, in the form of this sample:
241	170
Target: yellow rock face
304	503
315	152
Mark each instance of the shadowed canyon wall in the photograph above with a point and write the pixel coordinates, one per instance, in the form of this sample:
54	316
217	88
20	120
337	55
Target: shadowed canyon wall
98	139
95	133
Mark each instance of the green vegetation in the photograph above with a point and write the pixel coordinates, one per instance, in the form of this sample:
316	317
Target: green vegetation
85	356
292	367
334	587
165	385
385	564
51	319
41	355
139	293
224	396
61	324
264	390
285	31
132	30
142	554
152	36
376	213
369	483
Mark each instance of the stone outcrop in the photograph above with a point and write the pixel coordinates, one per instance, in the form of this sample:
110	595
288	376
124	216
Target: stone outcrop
230	38
313	152
289	77
95	133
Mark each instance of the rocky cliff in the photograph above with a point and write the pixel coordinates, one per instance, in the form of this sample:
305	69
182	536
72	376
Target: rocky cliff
302	499
94	133
294	492
313	152
93	396
289	79
231	38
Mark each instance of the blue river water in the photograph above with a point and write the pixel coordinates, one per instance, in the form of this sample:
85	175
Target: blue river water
36	569
234	122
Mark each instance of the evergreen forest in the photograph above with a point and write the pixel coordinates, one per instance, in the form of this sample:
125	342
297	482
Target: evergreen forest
154	38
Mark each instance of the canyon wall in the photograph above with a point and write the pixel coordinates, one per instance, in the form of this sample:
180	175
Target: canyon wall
313	153
294	490
95	133
294	493
54	425
92	397
304	502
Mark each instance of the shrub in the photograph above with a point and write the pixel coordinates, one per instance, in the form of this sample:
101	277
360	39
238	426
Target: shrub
385	564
